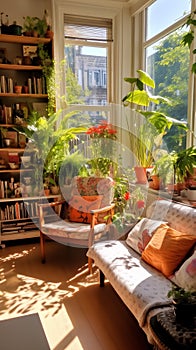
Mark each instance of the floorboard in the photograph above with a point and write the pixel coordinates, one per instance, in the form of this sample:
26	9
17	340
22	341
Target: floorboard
74	311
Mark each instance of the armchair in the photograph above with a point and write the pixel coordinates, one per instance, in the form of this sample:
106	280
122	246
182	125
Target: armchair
83	218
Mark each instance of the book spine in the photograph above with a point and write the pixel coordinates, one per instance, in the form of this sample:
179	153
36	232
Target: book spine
30	85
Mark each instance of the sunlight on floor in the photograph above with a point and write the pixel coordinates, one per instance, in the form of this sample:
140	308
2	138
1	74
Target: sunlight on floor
22	294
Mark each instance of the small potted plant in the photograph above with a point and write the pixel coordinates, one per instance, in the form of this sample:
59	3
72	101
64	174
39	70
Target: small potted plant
28	26
184	301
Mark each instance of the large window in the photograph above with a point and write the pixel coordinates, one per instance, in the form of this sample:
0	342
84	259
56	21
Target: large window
167	60
87	48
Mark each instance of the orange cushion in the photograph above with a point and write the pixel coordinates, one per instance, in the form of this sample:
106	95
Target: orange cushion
167	248
80	207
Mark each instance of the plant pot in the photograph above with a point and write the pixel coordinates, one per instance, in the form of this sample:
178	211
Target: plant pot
54	189
47	192
191	193
184	311
140	173
180	186
155	182
26	60
17	89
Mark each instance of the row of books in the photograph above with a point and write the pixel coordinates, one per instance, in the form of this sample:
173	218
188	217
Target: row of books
6	84
18	210
8	112
11	228
36	85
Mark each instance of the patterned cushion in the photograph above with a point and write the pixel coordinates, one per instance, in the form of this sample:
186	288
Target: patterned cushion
141	234
63	230
93	186
80	207
180	217
167	248
185	277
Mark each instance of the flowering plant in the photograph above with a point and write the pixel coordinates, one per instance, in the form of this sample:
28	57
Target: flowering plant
104	130
129	204
103	148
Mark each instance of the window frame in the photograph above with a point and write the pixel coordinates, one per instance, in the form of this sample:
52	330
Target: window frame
139	20
108	47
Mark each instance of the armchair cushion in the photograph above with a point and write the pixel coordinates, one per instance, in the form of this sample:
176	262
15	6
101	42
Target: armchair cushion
94	186
80	207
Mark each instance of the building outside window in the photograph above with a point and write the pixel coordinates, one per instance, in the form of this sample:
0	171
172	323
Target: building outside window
87	47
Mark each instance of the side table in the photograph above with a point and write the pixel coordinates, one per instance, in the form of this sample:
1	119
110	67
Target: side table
173	333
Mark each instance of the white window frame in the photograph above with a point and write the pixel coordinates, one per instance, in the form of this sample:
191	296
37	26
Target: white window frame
138	59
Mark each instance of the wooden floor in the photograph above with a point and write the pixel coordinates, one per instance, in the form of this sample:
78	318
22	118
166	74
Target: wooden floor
75	312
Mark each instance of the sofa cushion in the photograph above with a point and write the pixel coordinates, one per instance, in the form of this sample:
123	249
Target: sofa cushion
141	233
180	217
167	248
80	207
185	277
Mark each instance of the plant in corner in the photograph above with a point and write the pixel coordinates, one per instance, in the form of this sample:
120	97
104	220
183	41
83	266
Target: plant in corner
50	145
184	301
147	139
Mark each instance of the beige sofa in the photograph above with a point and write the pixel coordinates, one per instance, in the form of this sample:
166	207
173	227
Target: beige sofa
142	286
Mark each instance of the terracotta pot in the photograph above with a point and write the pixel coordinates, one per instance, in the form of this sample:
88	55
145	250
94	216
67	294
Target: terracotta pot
155	183
180	186
17	89
140	173
46	192
54	189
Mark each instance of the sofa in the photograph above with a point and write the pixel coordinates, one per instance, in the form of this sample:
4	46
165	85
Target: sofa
158	252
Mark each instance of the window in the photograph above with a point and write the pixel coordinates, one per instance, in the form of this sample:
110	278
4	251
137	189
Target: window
87	47
167	61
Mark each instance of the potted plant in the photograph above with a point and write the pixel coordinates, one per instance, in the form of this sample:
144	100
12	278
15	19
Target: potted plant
184	163
28	26
40	27
183	301
173	167
147	139
48	144
34	26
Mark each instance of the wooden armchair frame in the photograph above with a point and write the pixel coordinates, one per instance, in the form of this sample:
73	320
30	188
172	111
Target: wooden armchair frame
108	211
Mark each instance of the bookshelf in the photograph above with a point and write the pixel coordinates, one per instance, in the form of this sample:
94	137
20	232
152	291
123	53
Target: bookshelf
18	202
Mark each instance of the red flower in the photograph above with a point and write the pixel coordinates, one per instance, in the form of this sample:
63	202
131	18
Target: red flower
140	204
127	196
104	129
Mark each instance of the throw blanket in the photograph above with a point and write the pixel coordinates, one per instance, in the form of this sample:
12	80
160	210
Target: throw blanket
140	286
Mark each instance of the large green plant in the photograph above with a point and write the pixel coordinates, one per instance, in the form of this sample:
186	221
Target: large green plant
147	141
49	143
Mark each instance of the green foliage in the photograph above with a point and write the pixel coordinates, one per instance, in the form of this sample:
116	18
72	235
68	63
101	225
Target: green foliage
141	96
181	296
184	163
51	144
147	141
171	70
176	165
31	24
75	93
189	36
71	166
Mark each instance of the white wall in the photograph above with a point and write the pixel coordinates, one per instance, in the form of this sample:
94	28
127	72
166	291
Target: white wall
18	9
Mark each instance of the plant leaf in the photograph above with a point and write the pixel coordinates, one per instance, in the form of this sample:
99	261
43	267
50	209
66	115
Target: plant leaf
145	78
